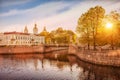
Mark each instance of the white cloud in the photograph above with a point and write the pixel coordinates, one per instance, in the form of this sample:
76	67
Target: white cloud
13	27
68	19
12	12
41	10
112	7
47	15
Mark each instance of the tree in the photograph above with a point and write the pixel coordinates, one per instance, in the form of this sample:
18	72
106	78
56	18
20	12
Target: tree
84	29
110	35
61	36
47	36
114	18
96	16
88	24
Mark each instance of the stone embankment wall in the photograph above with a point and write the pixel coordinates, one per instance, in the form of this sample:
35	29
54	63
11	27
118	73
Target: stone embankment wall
99	58
32	49
21	49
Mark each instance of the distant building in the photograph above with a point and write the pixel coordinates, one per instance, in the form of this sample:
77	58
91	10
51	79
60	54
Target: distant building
19	38
44	30
35	29
25	30
47	36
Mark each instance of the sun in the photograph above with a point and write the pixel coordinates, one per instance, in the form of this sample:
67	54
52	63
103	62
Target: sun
109	25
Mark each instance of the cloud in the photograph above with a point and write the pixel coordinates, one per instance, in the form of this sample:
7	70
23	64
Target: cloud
41	10
13	27
113	7
31	15
52	15
68	19
12	12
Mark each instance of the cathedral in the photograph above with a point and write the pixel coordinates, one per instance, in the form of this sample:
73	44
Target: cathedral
35	29
22	38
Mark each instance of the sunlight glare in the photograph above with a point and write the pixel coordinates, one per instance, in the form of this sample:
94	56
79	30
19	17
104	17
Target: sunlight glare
109	25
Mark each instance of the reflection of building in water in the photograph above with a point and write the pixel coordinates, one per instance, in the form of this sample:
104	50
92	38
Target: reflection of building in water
36	64
20	38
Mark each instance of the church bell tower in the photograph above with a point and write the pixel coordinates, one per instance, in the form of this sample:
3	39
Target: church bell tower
25	30
35	29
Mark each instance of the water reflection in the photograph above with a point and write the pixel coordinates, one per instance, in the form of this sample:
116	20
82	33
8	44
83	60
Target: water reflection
41	67
96	72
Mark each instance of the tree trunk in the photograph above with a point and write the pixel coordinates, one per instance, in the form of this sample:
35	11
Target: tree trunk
88	46
112	46
88	41
94	42
94	39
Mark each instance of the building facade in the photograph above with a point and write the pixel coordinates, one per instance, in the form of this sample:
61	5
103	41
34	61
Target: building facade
17	38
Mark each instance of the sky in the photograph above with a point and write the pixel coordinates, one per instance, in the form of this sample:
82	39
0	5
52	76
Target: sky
16	14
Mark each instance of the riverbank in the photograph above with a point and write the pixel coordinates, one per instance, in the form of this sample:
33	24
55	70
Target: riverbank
32	49
106	58
21	49
110	58
41	66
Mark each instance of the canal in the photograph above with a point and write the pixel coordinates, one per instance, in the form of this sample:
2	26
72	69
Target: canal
53	66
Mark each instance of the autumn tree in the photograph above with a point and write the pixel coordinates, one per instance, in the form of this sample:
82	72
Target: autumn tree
89	23
84	29
113	34
115	17
61	36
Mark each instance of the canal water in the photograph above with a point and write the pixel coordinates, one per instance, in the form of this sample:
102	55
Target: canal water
53	66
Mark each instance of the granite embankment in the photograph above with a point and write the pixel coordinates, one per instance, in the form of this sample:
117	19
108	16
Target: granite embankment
21	49
107	58
32	49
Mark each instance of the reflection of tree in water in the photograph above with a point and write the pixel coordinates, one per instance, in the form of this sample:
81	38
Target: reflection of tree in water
87	75
94	72
58	64
74	68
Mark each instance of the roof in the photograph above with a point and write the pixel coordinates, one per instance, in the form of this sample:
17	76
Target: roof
14	32
20	33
